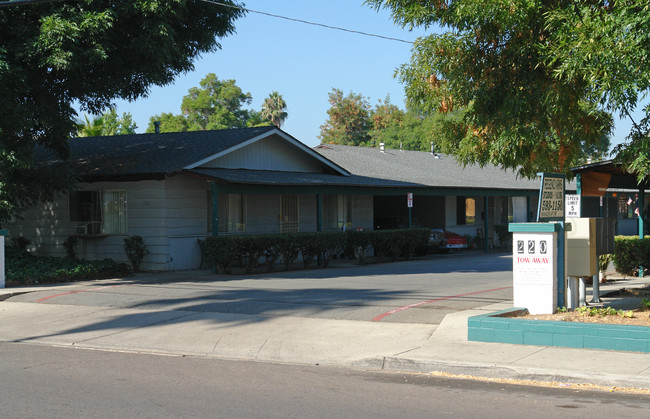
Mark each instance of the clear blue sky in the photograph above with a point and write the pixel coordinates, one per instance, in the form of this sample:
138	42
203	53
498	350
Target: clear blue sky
302	62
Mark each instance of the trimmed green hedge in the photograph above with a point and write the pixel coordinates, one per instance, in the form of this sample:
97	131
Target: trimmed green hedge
630	252
247	250
23	268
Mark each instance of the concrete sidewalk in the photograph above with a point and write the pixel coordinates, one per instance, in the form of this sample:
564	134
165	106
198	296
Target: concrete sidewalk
359	344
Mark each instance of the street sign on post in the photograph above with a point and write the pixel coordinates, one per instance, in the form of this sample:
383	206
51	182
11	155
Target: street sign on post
572	205
551	208
551	198
409	200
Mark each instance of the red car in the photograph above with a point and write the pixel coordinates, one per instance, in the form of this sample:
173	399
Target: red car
455	241
445	240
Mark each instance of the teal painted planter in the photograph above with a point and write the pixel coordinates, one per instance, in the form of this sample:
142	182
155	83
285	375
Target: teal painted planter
498	327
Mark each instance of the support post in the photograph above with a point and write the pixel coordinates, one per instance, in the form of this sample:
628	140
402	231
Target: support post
641	226
319	212
215	209
595	288
486	223
319	223
561	266
3	233
582	292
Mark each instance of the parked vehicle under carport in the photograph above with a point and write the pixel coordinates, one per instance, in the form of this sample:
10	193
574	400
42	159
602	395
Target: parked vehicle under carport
443	241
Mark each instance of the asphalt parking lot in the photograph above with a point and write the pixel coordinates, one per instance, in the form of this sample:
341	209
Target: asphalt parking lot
417	291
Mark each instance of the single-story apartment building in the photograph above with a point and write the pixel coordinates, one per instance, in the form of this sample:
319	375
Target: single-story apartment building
175	188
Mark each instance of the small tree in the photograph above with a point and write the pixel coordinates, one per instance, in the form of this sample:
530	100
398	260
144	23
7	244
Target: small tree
135	250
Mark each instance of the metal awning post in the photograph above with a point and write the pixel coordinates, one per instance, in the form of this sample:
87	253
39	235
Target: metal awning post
215	209
486	223
641	223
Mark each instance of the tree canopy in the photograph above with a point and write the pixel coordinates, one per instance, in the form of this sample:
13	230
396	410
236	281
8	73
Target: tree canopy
90	53
215	104
109	123
536	81
349	120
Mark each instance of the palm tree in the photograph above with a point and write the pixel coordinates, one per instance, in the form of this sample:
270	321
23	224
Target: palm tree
90	128
274	109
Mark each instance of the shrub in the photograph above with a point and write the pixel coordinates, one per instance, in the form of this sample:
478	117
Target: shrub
630	252
222	250
135	250
25	269
359	242
289	248
19	243
332	243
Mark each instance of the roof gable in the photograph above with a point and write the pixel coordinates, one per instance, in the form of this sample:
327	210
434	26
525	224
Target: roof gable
157	155
274	150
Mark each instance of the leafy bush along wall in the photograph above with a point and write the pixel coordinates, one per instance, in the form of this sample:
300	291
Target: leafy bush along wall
248	250
630	253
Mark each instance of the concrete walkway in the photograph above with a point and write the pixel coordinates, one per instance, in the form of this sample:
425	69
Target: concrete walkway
359	344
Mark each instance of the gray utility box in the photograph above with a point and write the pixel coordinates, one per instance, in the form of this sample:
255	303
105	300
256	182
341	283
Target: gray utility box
581	256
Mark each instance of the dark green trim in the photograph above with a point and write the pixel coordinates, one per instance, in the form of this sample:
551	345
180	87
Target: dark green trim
533	227
4	232
374	191
319	212
500	327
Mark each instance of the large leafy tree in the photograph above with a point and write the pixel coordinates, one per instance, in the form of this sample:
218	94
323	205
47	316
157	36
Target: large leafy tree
215	104
535	80
349	120
274	109
89	52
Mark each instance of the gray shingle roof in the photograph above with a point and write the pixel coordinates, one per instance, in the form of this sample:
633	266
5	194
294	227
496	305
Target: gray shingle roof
148	154
422	168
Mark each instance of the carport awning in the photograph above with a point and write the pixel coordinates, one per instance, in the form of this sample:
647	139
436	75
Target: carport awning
598	173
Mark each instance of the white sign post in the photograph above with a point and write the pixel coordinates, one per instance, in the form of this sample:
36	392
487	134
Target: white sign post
409	200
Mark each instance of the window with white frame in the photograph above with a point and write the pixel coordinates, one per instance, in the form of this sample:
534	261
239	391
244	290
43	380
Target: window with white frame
99	212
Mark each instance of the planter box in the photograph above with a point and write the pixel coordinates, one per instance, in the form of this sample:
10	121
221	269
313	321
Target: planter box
502	328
